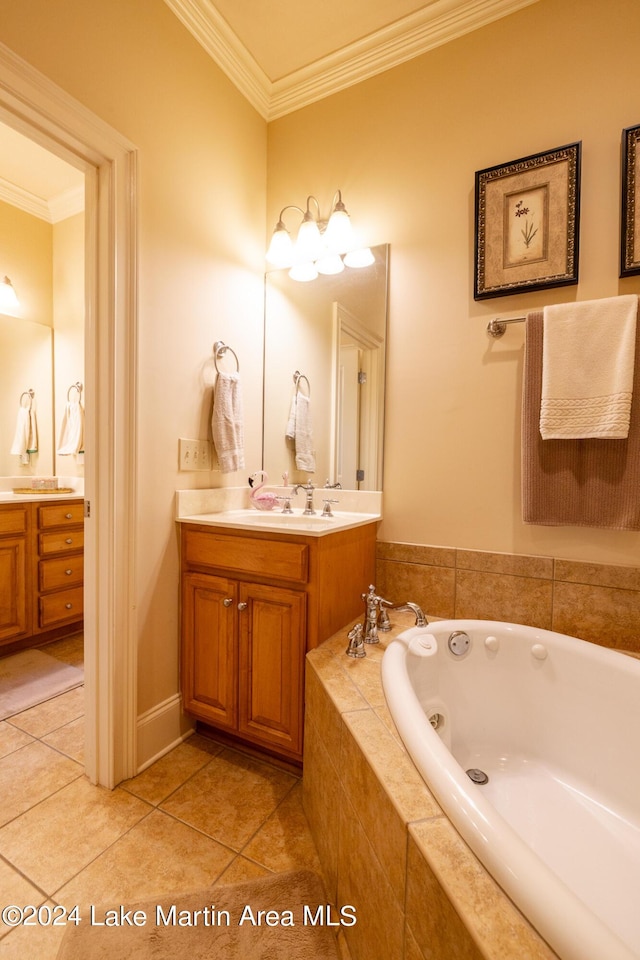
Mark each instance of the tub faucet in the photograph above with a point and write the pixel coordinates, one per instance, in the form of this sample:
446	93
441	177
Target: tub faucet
373	605
421	620
308	488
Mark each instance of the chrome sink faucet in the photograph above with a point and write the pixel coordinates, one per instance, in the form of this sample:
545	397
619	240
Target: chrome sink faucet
373	604
308	488
421	620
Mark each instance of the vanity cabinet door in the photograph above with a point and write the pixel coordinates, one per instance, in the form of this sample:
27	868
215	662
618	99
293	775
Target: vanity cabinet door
209	649
14	559
272	634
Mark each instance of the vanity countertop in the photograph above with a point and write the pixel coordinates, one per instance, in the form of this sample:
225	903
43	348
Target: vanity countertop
230	507
17	490
8	496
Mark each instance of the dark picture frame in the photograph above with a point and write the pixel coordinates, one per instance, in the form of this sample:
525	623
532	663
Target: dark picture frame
630	212
527	223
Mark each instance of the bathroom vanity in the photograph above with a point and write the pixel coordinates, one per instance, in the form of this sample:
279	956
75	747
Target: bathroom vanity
41	570
258	592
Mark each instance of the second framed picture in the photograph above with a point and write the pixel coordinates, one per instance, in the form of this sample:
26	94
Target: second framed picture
527	223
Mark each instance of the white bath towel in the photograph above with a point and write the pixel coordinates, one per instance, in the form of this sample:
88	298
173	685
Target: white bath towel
588	357
300	430
25	440
72	429
227	424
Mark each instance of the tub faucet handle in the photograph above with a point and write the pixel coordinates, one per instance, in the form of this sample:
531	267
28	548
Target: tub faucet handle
356	642
384	623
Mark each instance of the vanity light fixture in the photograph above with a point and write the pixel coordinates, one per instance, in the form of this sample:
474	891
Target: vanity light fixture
9	302
321	246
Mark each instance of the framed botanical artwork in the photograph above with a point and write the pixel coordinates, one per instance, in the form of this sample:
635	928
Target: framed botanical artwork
527	223
630	214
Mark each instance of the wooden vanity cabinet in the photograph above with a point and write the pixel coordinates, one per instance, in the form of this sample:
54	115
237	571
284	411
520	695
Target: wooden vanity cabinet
252	605
41	571
60	563
15	609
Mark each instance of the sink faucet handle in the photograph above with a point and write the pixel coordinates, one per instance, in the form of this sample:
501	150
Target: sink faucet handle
287	504
326	510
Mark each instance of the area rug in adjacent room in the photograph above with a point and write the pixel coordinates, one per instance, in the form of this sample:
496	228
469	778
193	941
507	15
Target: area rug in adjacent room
31	677
236	929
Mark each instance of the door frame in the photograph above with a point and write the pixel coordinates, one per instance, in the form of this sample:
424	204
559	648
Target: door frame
41	110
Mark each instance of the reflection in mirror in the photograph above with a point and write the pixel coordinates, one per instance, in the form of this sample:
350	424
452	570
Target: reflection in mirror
42	240
27	352
331	332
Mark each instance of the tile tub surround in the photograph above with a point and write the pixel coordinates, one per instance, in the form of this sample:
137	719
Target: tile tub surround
384	844
593	601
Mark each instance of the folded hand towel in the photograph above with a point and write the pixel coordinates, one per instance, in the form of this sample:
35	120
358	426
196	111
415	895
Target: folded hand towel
300	429
587	368
72	429
227	424
26	436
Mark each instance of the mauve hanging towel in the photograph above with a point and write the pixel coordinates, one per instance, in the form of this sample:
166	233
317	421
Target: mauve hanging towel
576	483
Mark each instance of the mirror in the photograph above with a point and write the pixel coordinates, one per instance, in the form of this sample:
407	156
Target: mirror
325	344
42	341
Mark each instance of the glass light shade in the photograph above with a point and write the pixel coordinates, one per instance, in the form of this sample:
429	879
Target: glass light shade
330	264
360	258
9	302
339	233
280	252
308	243
303	271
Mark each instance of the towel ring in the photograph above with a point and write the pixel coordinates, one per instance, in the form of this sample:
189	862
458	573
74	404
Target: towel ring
219	350
297	377
75	386
27	393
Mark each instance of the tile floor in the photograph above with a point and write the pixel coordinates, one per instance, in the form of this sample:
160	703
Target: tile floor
200	814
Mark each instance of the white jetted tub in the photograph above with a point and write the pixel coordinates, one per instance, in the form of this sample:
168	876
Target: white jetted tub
553	722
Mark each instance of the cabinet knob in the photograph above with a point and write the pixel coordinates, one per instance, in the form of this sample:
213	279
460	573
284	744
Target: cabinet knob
68	516
69	540
68	606
227	601
242	606
68	573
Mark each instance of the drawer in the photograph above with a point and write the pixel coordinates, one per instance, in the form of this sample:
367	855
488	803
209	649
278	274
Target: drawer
13	520
64	541
60	514
272	559
64	605
61	573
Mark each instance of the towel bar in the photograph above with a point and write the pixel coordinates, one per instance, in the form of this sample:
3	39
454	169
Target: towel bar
297	377
219	350
496	327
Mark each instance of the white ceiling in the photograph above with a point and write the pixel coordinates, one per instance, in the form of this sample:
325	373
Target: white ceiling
285	54
281	54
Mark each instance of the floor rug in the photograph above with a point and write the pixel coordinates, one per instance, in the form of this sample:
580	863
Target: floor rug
222	922
30	678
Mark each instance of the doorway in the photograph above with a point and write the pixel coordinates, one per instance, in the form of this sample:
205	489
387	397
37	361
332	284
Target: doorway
43	112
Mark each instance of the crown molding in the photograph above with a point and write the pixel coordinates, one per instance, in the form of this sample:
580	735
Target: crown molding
58	208
432	26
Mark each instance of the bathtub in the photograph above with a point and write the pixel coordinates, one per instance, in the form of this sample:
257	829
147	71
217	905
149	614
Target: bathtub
554	722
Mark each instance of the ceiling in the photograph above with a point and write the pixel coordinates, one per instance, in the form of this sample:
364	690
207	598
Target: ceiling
285	54
281	54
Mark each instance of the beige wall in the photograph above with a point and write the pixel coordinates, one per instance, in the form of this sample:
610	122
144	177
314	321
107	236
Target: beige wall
404	147
68	322
201	209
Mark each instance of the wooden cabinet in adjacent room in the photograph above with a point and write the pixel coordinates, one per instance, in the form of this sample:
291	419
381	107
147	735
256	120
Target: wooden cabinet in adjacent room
15	606
252	605
41	571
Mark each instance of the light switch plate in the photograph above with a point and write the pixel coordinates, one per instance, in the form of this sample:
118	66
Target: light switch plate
194	454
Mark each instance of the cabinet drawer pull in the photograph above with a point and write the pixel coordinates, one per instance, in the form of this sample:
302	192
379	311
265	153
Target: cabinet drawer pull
68	606
242	606
68	573
69	540
68	516
227	601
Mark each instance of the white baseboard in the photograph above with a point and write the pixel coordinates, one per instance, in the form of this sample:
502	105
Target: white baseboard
161	729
